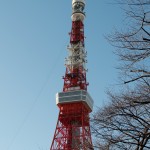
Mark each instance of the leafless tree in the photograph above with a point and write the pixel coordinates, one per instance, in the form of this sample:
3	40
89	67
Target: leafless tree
124	124
133	43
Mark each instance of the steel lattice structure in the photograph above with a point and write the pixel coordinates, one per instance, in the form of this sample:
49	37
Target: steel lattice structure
75	104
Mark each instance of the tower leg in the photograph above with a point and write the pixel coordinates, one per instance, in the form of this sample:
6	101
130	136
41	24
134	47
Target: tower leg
73	128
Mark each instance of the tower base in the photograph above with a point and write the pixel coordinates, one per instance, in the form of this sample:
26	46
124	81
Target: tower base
73	128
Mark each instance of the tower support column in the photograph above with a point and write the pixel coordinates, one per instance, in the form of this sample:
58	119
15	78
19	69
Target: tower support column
72	129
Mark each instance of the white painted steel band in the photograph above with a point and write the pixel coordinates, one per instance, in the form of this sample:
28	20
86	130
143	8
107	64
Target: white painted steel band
78	16
81	1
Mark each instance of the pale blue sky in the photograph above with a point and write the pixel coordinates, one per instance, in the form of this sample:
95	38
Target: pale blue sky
33	41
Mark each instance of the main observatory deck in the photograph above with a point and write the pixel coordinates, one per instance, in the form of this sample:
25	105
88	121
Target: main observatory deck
74	97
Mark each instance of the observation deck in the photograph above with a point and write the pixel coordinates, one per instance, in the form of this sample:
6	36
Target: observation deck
75	97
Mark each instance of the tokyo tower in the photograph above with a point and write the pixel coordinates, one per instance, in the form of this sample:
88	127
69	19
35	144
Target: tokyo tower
74	102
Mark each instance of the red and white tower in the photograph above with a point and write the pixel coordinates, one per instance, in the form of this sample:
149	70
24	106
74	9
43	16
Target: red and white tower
75	104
